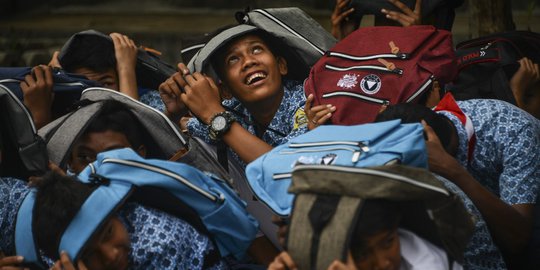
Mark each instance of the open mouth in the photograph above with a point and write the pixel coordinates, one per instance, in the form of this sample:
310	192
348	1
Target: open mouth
255	77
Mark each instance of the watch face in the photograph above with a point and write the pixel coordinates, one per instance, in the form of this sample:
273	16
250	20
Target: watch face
219	123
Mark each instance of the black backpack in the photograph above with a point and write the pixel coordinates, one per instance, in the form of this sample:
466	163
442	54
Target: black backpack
487	64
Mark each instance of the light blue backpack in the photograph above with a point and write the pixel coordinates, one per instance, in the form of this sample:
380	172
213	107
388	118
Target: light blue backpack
122	175
353	146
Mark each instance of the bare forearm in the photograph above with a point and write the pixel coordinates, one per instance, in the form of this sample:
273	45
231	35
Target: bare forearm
128	82
510	226
246	145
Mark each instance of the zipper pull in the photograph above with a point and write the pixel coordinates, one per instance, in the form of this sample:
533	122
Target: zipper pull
364	147
388	65
356	156
393	48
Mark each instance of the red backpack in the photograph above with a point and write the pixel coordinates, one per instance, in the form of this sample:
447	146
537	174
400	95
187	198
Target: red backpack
376	66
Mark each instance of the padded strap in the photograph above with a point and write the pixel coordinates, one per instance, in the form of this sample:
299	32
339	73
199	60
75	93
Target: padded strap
326	246
106	198
24	236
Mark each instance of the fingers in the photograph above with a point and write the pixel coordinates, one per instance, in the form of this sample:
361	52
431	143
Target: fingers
283	261
318	115
309	100
122	40
405	16
430	133
55	168
65	262
337	265
54	60
404	8
11	260
418	7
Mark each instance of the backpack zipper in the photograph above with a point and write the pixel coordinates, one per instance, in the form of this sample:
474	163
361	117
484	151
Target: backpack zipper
363	148
359	96
175	176
402	56
421	89
281	176
397	71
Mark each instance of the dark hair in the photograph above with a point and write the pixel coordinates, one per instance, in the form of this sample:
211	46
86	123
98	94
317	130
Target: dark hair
415	113
277	47
58	199
93	52
375	215
115	116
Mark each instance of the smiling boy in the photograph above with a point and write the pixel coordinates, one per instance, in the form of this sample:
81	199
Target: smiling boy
263	107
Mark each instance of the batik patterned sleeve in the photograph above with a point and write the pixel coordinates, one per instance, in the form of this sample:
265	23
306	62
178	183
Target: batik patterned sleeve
12	193
152	99
162	241
519	181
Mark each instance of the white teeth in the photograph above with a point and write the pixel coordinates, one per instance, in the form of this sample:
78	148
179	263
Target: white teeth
254	76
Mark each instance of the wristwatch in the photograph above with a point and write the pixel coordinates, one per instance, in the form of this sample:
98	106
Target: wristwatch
219	124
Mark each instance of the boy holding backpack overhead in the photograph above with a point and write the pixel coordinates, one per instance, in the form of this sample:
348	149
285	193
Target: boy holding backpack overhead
264	108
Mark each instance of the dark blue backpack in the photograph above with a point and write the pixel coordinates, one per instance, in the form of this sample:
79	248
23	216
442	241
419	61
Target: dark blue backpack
352	146
122	175
67	86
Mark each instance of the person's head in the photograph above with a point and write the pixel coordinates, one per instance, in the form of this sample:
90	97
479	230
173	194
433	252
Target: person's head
91	55
58	200
375	241
415	113
115	127
251	68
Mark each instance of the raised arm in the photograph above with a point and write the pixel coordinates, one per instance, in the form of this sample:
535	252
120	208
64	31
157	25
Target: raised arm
510	225
126	59
201	95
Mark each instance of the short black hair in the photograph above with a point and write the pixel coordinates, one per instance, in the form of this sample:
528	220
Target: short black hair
58	200
93	52
115	116
278	49
375	215
415	113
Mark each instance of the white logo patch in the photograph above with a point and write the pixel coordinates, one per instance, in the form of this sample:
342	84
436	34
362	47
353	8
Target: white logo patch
348	81
371	84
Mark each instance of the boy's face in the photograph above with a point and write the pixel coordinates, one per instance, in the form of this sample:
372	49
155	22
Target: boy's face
381	251
250	70
109	248
108	79
91	144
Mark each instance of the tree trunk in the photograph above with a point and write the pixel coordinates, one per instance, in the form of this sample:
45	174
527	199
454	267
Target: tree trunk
490	16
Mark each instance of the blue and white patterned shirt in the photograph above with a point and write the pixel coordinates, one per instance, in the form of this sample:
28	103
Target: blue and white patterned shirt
158	240
288	122
152	99
12	193
161	241
506	157
481	252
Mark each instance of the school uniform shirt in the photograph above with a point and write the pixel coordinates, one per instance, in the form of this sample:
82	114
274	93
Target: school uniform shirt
152	99
505	159
506	155
158	240
419	254
289	121
481	252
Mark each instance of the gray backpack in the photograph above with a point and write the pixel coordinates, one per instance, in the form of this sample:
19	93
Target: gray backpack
23	150
304	40
429	210
165	140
